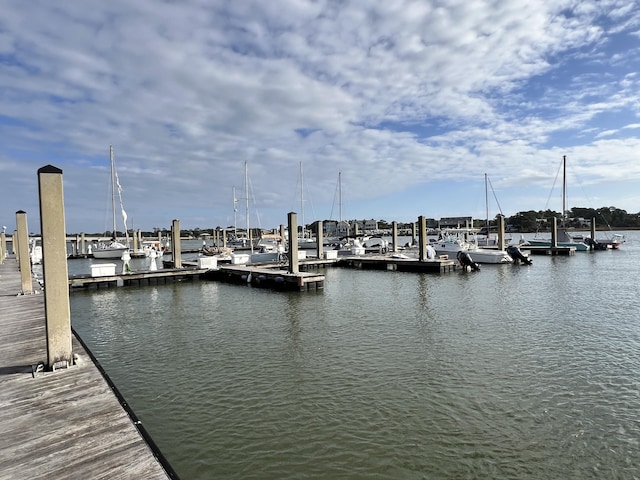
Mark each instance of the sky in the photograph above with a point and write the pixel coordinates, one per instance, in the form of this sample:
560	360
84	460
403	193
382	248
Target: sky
412	104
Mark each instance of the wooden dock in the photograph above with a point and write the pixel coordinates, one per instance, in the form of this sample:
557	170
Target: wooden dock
386	262
69	423
266	277
157	277
542	250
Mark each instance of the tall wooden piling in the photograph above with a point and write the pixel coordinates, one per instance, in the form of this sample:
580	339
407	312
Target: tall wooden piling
413	233
54	267
394	235
500	232
135	241
294	266
3	246
83	244
422	238
24	259
176	253
593	229
14	245
554	232
319	240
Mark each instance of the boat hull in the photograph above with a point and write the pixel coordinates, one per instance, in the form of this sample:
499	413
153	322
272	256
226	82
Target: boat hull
109	252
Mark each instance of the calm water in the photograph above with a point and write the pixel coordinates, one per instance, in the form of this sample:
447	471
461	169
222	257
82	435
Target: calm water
511	372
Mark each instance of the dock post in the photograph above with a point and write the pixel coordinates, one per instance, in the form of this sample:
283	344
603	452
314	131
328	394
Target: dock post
224	238
24	260
394	235
176	253
54	267
554	233
282	231
422	238
14	245
294	266
500	232
160	243
3	246
319	241
593	229
135	241
413	233
83	244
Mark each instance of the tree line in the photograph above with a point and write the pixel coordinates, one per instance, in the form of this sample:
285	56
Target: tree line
577	217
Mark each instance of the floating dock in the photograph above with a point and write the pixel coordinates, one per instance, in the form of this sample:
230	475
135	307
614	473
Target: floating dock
66	423
264	277
542	250
156	277
384	262
267	275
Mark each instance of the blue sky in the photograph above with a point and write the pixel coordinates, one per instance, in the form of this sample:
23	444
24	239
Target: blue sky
412	101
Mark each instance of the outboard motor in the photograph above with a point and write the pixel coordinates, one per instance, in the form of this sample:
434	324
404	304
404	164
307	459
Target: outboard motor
517	255
466	261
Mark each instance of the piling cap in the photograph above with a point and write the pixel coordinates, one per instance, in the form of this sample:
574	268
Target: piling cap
49	169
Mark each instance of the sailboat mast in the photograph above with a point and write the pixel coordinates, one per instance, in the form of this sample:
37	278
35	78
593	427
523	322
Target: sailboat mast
486	202
340	194
302	199
564	189
246	191
113	191
235	214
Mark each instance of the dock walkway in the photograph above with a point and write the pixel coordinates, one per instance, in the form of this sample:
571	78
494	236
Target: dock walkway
63	424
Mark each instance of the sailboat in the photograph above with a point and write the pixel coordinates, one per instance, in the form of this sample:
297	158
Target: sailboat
564	239
113	248
304	241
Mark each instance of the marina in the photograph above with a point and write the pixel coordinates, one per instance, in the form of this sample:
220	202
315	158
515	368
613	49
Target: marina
390	369
383	369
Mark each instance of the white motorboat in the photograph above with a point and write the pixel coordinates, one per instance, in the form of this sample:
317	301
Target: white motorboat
452	242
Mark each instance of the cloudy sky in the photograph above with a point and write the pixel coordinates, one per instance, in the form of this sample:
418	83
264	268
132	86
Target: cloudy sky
411	102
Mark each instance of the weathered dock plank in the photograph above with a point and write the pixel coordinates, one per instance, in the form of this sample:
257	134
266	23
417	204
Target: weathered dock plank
63	424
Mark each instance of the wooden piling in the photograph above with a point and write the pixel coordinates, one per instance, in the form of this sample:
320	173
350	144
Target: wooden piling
500	232
319	240
176	254
24	259
422	238
394	235
3	247
54	267
294	266
554	232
